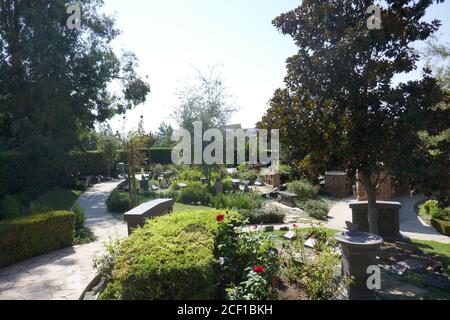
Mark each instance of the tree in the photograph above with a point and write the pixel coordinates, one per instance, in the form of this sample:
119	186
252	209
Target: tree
109	146
164	136
204	99
340	101
59	78
132	145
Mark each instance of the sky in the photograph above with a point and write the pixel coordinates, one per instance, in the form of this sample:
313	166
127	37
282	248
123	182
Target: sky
173	37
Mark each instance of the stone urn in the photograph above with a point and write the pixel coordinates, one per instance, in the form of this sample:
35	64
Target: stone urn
359	252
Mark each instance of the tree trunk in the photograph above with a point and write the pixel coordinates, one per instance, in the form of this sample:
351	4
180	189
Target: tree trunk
372	202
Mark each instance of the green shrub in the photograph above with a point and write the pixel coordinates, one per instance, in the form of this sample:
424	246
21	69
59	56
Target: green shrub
227	185
59	199
170	258
240	252
304	189
82	234
442	226
428	206
191	174
249	175
11	207
118	202
317	209
440	213
34	235
237	201
79	217
265	216
195	192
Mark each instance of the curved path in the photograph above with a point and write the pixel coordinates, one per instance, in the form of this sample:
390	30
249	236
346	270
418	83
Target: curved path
64	274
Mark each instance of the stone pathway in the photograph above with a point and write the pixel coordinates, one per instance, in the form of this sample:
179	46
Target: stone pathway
64	274
411	225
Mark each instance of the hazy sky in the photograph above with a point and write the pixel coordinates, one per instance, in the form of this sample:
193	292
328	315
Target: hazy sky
171	36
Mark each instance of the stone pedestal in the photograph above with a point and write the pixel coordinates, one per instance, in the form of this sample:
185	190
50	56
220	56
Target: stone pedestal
388	218
359	251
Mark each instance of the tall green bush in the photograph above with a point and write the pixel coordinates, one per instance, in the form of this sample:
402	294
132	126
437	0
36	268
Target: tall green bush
118	202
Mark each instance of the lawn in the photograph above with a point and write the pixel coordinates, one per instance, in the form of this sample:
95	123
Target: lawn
60	199
440	250
179	207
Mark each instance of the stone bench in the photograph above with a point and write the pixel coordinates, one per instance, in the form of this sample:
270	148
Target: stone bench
287	198
152	209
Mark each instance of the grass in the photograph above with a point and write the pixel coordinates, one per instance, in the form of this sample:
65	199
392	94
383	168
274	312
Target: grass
60	199
179	207
440	250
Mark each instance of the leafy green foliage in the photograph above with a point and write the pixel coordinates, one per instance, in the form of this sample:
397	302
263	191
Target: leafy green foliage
60	199
172	258
339	107
304	189
191	174
195	192
239	253
60	80
34	235
10	207
237	201
118	202
317	209
271	215
315	273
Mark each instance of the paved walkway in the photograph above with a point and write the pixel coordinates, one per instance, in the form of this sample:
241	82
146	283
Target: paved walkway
411	225
64	274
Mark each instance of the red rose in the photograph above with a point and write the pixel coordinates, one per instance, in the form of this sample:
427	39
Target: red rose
259	269
220	217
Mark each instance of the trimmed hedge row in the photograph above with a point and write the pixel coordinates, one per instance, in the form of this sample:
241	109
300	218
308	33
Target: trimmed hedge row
23	173
153	155
34	235
441	226
170	258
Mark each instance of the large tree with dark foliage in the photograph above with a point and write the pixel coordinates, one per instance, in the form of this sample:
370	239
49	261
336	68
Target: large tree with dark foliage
341	106
54	80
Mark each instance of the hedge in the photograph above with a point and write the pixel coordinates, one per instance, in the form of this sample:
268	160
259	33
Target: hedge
34	235
21	173
170	258
25	173
153	156
441	226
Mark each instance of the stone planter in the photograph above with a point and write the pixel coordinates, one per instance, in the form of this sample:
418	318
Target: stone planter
359	252
388	218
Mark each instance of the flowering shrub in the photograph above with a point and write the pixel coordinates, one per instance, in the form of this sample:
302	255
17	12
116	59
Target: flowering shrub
256	287
315	272
247	260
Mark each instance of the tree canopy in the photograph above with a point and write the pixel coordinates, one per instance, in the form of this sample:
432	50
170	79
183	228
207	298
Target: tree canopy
341	107
54	81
